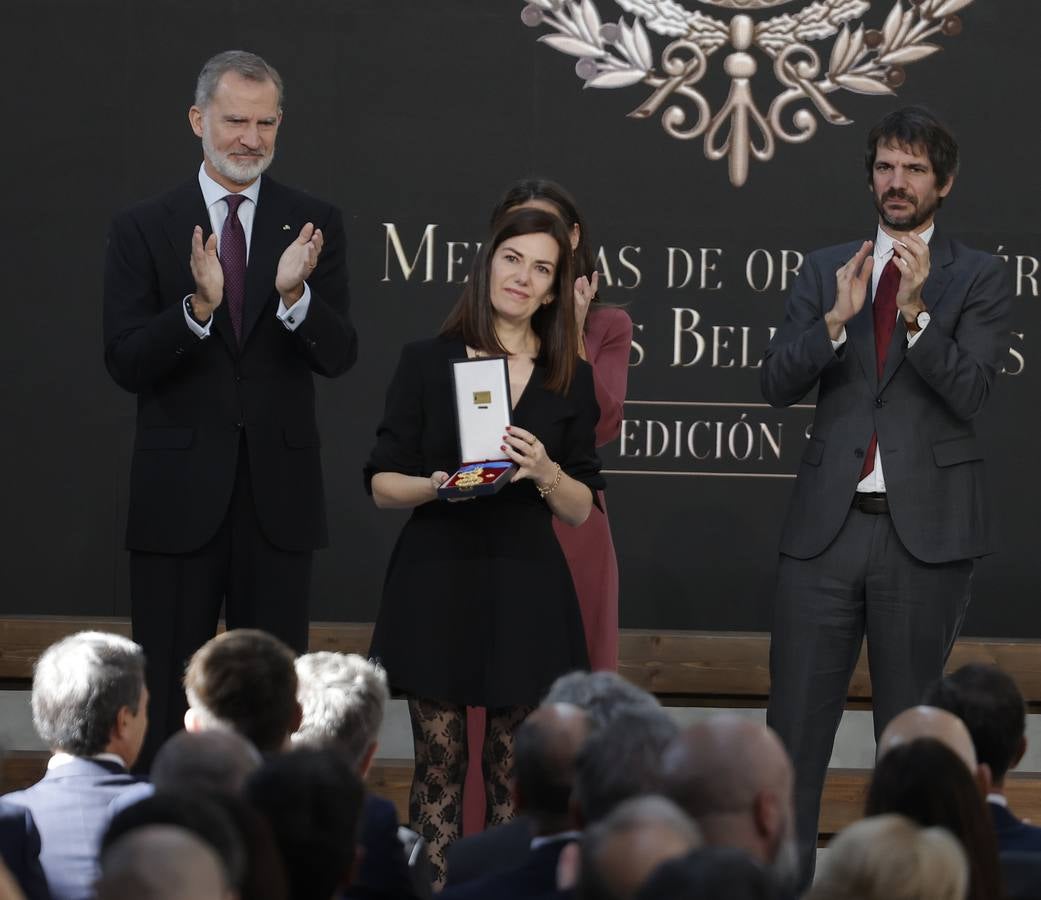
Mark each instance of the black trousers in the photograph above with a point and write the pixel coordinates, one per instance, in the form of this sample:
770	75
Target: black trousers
864	583
176	602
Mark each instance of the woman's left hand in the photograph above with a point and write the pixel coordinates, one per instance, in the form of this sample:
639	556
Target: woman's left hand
529	454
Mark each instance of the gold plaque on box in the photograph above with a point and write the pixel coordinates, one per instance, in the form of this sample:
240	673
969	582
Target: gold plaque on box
482	398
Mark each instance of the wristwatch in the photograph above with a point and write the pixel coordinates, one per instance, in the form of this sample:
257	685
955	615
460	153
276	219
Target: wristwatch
920	321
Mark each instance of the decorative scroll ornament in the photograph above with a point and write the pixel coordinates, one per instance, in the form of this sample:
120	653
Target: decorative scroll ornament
862	60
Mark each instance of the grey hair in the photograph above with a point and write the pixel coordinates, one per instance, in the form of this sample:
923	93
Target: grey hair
622	760
241	62
601	694
343	696
80	684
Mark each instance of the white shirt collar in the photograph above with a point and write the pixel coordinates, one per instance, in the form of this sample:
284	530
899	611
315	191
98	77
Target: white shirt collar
998	800
542	840
213	192
884	241
60	759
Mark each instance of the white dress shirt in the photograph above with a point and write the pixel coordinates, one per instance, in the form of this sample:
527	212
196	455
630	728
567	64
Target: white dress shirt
875	481
213	196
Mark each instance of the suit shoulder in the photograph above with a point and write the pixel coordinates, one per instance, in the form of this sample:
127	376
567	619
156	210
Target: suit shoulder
270	188
980	260
826	256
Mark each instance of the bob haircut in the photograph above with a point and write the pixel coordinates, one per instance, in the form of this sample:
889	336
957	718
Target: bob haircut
535	188
473	319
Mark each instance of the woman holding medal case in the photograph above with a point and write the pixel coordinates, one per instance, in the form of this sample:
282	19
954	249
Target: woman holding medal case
479	608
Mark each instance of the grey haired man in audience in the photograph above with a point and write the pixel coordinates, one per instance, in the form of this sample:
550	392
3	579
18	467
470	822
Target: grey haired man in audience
343	697
601	695
89	704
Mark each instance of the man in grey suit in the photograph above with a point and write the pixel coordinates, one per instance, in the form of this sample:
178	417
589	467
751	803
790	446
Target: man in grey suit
902	337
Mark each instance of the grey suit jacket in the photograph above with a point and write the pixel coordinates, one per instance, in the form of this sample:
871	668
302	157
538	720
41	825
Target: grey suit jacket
922	407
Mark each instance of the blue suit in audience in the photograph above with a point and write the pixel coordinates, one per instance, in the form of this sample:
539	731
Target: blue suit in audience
72	806
1014	834
20	850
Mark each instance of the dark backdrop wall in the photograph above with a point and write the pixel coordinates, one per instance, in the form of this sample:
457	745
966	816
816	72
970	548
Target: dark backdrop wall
413	116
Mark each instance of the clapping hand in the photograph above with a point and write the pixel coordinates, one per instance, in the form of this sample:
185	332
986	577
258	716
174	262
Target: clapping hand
851	290
297	263
208	275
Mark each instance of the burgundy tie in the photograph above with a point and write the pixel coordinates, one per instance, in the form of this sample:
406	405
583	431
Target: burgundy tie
884	312
233	262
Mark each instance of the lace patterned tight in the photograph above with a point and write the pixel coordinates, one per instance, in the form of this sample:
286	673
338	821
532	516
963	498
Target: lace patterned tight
436	799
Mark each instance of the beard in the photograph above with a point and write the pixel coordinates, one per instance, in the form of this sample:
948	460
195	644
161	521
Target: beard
243	170
918	215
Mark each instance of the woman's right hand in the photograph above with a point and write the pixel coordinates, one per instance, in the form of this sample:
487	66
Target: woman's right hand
437	479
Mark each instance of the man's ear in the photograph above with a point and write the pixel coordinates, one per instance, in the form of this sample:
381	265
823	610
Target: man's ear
766	810
984	779
122	723
195	120
192	721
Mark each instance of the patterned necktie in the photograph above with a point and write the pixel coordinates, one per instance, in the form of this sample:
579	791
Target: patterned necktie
233	262
884	312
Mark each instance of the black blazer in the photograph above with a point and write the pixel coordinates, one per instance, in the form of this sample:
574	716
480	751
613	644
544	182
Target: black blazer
384	873
497	849
922	407
197	399
1014	834
535	878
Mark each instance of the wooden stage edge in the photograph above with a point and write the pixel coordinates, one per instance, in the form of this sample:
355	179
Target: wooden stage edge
706	668
693	668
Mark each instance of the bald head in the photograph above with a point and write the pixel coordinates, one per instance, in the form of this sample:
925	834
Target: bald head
161	862
929	722
733	776
547	746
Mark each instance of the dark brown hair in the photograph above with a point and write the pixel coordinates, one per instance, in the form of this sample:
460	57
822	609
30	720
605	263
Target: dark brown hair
929	783
917	128
246	678
472	319
528	189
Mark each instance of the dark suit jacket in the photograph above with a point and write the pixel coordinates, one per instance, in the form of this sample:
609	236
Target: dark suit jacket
922	408
489	852
1021	872
384	870
71	806
535	877
197	398
20	850
1014	834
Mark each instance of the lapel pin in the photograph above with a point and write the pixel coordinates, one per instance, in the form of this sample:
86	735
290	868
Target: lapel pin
285	228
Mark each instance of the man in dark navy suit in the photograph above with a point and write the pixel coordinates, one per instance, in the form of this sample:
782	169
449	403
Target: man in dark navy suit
342	699
90	707
223	298
990	704
20	850
546	750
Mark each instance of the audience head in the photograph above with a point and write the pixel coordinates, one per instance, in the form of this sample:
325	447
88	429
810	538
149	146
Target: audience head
621	760
203	817
711	873
890	857
938	724
207	761
244	680
620	851
546	748
342	698
600	694
89	696
312	799
990	704
162	862
734	778
927	782
541	193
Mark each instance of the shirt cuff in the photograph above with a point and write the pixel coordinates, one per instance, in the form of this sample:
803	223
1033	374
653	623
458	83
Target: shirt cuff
841	340
292	316
911	338
200	331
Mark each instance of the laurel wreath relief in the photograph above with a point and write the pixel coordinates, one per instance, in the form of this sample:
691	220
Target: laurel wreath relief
862	60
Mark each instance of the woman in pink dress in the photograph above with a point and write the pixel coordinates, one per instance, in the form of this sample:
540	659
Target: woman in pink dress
606	333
